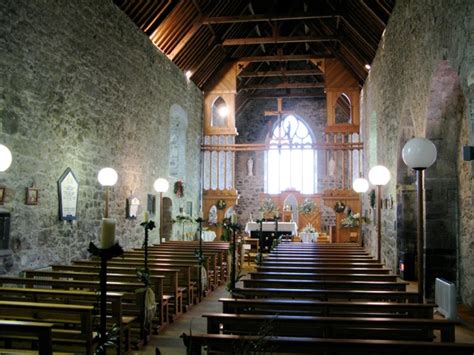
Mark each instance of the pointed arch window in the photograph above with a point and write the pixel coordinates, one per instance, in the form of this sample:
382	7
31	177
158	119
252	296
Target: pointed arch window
290	162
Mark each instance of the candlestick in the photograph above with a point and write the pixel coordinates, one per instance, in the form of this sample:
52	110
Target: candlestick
107	239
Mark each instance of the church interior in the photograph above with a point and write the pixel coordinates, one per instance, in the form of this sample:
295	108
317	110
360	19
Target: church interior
237	177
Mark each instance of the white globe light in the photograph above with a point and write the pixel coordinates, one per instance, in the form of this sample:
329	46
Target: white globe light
223	110
107	177
5	158
161	185
419	153
379	175
360	185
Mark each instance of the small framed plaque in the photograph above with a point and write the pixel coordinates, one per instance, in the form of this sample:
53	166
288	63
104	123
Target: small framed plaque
32	195
133	204
68	189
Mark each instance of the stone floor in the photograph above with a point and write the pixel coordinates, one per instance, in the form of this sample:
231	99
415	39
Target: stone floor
169	342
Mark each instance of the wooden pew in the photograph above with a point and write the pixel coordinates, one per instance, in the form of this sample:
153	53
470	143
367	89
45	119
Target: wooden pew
127	288
325	284
325	269
328	308
221	255
44	295
321	263
325	295
171	261
185	275
156	283
331	327
40	331
170	281
220	343
322	276
72	324
302	258
210	262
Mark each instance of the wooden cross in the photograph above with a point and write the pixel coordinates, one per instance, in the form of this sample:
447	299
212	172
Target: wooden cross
279	112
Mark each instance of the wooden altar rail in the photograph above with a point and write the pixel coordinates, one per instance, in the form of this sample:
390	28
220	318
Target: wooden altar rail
262	146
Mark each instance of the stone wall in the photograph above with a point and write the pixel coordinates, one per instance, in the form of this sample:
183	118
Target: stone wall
82	87
253	127
421	36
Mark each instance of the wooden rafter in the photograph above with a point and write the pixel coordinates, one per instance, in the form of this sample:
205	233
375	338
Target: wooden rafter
285	58
271	86
273	40
263	18
274	73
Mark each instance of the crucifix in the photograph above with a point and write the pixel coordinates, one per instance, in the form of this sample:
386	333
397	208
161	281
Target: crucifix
279	113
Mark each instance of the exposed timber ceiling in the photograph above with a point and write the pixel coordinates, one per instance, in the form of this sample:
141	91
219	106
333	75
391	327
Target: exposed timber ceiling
282	40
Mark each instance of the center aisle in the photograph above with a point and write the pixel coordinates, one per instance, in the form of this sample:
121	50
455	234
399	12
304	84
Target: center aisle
169	341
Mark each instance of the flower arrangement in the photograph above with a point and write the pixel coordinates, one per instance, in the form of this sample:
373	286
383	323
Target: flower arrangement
339	206
268	206
309	229
221	204
353	220
178	189
307	207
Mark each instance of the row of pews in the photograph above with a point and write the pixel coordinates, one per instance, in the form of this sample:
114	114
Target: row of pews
56	309
324	299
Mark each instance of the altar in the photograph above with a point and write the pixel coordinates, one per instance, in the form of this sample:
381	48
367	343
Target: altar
270	232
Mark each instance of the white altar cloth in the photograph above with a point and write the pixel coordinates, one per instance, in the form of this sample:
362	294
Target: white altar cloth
308	237
208	236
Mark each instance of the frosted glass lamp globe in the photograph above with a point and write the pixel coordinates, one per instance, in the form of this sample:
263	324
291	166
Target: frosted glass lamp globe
161	185
360	185
107	177
5	158
419	153
379	175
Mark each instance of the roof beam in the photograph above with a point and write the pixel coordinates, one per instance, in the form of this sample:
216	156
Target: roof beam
263	18
304	95
273	73
273	86
285	58
273	40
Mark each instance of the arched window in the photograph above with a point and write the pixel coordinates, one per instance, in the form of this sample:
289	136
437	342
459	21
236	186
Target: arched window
291	159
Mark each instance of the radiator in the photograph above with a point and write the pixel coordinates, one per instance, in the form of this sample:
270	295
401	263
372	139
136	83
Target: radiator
445	298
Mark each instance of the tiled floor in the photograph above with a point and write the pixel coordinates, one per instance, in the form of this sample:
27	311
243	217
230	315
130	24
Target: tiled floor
169	342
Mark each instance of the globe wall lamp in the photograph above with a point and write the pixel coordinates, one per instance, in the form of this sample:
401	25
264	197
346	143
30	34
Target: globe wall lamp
161	185
360	185
379	176
107	177
419	154
5	158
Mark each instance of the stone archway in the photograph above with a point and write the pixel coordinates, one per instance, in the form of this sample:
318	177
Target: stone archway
443	124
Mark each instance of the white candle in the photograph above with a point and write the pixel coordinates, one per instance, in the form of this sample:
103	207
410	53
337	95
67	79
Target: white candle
250	217
107	239
234	219
201	215
261	215
145	216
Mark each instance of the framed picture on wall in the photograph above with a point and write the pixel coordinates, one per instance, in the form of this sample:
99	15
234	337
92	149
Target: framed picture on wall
31	196
2	195
189	208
